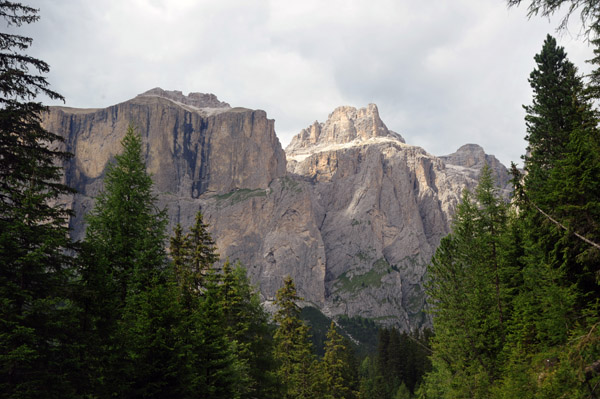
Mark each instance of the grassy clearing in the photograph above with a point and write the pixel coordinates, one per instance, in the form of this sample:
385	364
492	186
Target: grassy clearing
233	197
372	278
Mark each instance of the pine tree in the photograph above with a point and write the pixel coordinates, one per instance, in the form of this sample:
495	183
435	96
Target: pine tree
560	198
156	365
555	109
126	230
217	370
193	255
216	328
125	267
340	377
247	325
38	353
468	295
297	365
556	304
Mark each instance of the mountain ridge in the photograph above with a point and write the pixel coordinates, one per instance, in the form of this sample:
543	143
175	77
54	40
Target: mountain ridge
349	210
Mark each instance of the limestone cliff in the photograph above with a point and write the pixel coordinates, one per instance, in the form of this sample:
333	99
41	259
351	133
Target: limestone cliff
353	220
193	146
385	205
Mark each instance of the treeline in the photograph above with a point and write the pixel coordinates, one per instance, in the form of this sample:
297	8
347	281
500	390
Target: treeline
515	288
396	370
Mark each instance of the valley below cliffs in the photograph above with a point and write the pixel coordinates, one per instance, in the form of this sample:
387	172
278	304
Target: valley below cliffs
349	210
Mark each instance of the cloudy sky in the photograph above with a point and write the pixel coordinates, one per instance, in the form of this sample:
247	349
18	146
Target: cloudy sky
442	72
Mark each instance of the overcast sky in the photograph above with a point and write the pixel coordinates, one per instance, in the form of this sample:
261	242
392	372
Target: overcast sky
442	72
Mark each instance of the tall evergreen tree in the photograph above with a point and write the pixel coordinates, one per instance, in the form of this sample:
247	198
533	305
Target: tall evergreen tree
560	194
218	362
126	230
555	109
338	372
125	271
37	347
557	302
467	297
246	324
193	255
217	370
297	365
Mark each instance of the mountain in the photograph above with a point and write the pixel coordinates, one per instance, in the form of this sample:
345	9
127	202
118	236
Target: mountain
350	211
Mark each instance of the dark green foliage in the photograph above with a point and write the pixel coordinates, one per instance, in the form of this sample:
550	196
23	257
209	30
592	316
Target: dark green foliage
363	330
126	231
555	109
227	330
38	342
469	295
593	87
562	169
401	361
298	370
128	297
150	334
515	294
217	362
246	325
193	257
558	216
339	371
319	325
589	11
216	369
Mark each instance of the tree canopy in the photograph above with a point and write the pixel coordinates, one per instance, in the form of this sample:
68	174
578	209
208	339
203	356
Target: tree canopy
37	315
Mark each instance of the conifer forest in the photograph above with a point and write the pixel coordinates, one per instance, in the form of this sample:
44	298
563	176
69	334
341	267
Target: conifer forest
136	311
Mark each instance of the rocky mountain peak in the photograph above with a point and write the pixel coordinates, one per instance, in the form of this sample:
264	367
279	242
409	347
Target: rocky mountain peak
344	125
470	159
468	156
197	100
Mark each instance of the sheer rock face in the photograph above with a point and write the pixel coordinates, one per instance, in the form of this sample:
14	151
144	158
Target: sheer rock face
385	205
190	151
353	221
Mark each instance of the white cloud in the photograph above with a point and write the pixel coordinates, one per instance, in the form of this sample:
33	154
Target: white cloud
443	73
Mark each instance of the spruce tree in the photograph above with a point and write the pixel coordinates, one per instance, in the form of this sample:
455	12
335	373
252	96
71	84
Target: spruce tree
218	364
340	377
126	230
155	364
555	109
217	370
38	353
468	297
298	371
124	267
556	305
246	324
560	194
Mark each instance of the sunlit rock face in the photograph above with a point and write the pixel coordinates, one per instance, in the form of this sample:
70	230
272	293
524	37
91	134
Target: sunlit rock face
350	211
385	206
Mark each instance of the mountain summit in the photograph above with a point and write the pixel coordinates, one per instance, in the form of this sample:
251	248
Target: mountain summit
196	100
344	125
350	211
